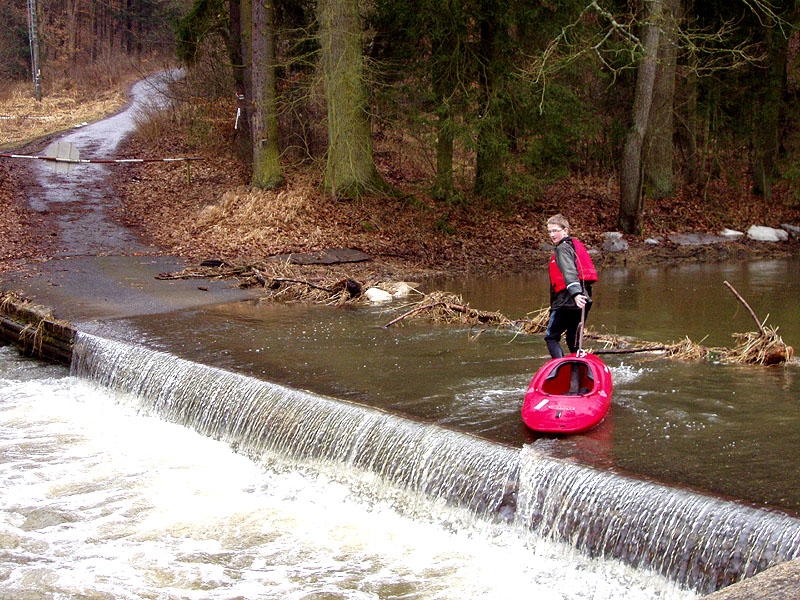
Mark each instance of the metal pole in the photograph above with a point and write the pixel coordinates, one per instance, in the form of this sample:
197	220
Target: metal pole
33	40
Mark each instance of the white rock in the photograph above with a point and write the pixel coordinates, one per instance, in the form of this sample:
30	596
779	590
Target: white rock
761	233
731	234
793	230
696	239
377	295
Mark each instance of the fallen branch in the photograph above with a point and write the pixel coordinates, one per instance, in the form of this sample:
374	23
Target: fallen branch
204	273
746	305
764	347
411	313
279	280
449	308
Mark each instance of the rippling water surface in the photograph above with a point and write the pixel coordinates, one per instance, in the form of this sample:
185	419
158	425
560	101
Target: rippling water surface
731	430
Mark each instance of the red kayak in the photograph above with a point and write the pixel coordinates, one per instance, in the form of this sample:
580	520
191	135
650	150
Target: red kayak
568	394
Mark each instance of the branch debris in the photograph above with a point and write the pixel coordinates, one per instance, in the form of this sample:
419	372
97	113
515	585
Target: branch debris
282	283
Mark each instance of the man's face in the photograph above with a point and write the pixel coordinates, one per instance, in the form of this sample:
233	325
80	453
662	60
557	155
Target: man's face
557	233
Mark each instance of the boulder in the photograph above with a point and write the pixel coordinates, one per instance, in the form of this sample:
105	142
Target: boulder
614	242
377	295
780	582
793	230
761	233
696	239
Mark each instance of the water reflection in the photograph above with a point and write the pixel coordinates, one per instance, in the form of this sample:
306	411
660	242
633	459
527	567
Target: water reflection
732	430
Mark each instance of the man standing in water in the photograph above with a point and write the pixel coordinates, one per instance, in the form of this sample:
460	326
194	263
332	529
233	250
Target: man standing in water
572	274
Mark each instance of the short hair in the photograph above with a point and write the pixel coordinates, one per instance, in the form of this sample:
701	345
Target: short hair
559	220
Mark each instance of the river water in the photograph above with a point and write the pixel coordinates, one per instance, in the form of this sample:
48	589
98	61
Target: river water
102	501
730	430
104	498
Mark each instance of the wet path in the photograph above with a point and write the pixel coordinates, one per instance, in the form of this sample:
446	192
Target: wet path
101	269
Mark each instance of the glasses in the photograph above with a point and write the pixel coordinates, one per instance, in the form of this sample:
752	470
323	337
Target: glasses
554	230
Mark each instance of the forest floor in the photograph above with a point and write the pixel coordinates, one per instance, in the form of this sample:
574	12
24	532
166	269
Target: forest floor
209	212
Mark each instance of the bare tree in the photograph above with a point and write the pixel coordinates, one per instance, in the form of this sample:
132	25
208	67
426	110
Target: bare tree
631	170
659	146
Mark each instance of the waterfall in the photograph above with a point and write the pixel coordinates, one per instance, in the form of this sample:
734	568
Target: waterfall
703	542
259	419
695	540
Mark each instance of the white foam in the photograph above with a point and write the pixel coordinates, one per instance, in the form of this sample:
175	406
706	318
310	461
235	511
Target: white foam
624	374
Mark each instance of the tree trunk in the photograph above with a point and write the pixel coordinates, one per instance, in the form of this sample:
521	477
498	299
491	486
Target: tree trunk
443	185
630	185
659	174
767	117
692	125
445	86
264	118
488	160
240	73
350	170
246	45
72	31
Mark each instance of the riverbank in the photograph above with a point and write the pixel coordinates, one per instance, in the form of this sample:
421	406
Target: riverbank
205	210
218	217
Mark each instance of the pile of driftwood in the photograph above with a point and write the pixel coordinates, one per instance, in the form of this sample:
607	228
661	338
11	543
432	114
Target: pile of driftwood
281	283
446	308
34	329
246	275
764	347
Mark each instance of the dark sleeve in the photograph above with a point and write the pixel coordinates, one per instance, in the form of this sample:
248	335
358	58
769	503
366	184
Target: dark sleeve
567	263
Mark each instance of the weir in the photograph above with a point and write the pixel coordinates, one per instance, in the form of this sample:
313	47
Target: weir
697	541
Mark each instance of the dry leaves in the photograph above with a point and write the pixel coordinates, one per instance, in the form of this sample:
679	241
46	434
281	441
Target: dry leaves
23	118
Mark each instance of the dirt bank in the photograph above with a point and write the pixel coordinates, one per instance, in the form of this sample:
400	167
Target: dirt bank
209	212
217	216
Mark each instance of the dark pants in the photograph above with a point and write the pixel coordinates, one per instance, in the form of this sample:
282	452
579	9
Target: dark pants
563	320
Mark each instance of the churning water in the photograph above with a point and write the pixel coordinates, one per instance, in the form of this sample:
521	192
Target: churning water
102	498
146	476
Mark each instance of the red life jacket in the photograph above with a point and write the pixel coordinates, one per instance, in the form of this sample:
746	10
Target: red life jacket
586	270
